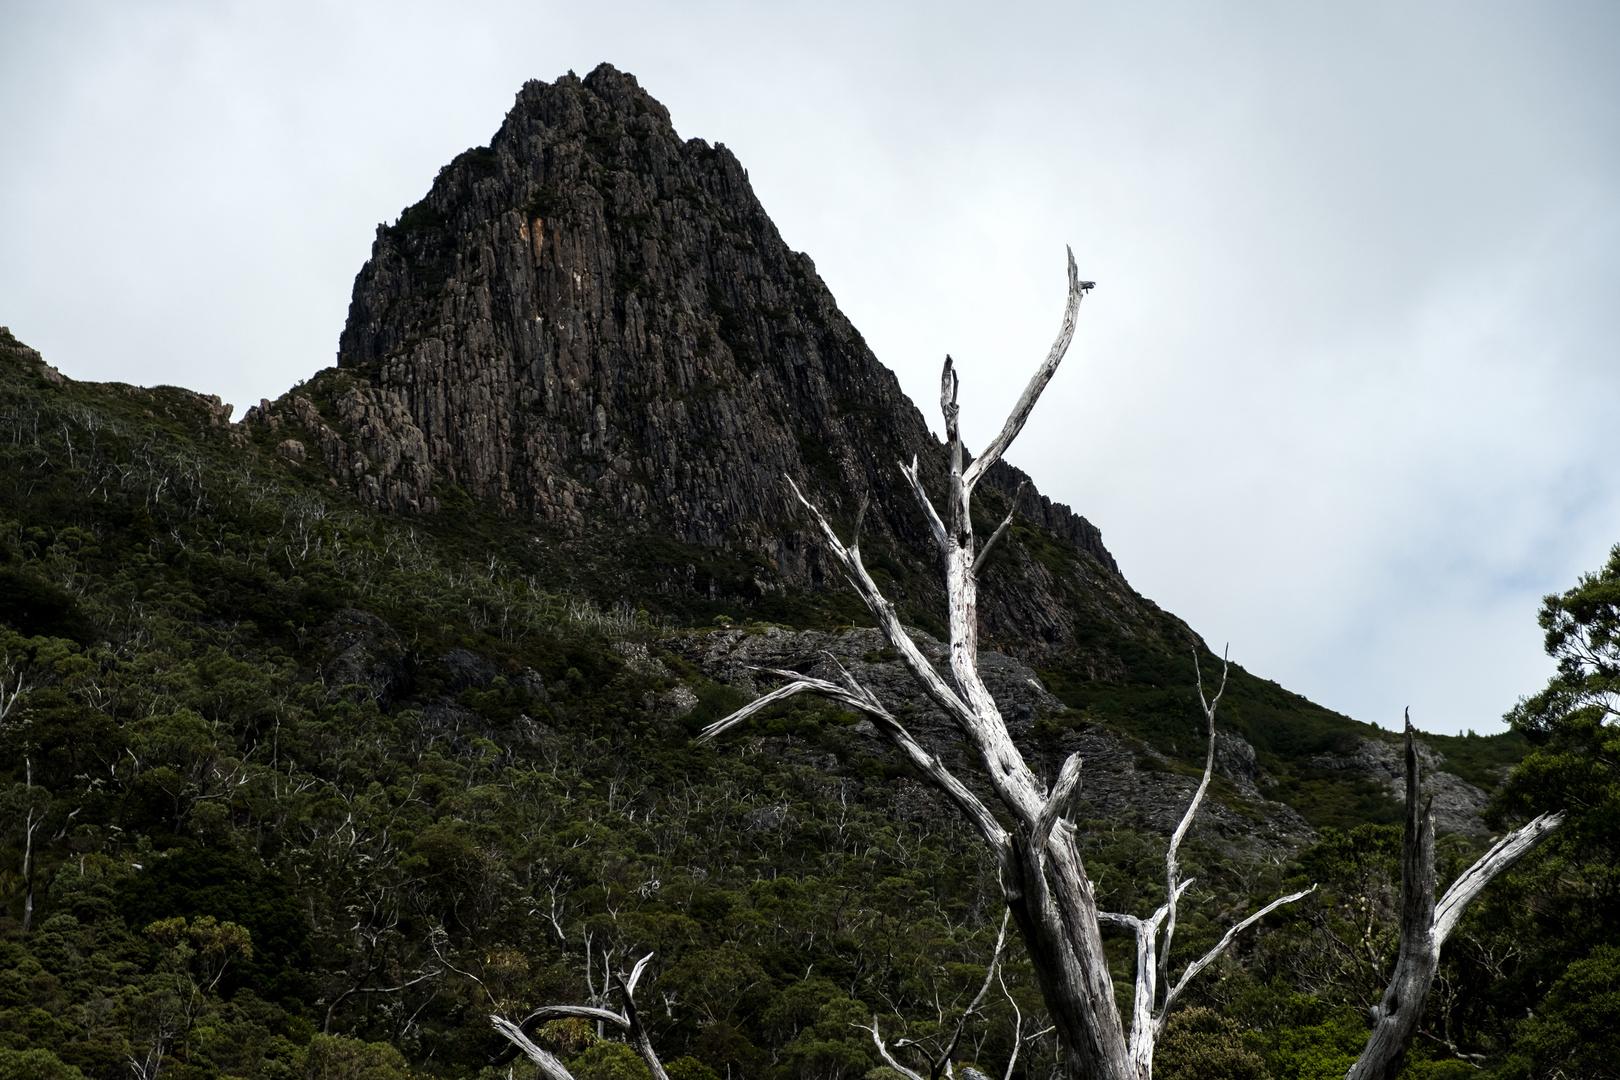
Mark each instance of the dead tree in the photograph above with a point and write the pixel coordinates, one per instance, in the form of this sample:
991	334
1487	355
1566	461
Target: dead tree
940	1059
1043	878
627	1022
1042	875
1425	924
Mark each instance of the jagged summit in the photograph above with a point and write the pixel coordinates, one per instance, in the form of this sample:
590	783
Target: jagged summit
594	321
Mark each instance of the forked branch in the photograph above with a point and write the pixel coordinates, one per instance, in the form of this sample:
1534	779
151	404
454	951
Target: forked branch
1172	864
1043	877
936	527
628	1022
1001	530
862	700
1425	925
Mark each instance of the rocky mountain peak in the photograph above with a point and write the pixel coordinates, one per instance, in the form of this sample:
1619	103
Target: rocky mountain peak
594	322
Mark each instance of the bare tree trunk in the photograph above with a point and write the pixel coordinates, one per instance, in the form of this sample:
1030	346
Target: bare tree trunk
1425	925
1043	877
35	818
29	828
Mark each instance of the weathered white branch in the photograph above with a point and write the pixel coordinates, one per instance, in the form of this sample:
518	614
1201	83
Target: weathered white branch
955	492
942	1063
628	1022
549	1066
1503	854
1001	530
888	621
1063	789
889	1059
1425	925
1147	971
862	700
1172	864
1214	954
1043	375
855	532
935	526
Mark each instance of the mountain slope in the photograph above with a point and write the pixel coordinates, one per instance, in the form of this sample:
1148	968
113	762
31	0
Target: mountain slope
592	325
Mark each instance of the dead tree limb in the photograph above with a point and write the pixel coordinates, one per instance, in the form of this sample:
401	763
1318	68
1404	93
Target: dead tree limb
1425	924
1043	878
940	1063
1149	1015
628	1023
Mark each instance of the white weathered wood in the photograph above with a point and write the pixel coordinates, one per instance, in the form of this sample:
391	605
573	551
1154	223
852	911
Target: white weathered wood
1063	789
549	1066
1172	864
1042	874
1425	925
863	700
1001	530
1501	857
628	1022
935	526
1037	384
923	671
888	1057
1214	954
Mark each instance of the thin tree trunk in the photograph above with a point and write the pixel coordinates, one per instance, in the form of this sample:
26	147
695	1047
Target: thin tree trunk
28	872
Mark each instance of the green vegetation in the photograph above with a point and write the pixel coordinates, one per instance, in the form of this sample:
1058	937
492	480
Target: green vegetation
293	789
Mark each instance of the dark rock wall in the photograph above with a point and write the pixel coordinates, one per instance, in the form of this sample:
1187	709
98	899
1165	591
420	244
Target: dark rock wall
594	319
594	322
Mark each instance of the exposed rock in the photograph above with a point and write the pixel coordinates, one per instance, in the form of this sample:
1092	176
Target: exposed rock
1115	783
679	701
640	659
1235	760
532	683
375	445
469	669
594	322
1457	804
46	371
363	650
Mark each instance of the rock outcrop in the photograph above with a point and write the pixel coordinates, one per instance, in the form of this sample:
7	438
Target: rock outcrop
1456	803
594	322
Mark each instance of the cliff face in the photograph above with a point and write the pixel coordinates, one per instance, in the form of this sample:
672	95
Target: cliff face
594	322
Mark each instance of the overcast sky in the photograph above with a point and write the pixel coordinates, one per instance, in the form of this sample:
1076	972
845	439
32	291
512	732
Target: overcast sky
1344	396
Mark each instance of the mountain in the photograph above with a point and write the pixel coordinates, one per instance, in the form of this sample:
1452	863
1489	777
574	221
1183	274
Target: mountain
594	324
324	734
592	327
